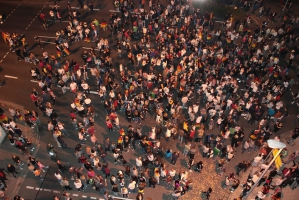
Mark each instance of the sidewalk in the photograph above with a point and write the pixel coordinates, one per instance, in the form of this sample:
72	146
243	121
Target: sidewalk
287	192
8	150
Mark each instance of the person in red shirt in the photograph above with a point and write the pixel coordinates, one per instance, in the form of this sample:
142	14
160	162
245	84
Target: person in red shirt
91	130
34	99
109	125
191	135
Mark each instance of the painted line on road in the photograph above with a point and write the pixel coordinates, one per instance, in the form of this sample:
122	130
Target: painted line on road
120	197
34	81
65	87
47	190
75	195
48	42
83	196
90	48
29	187
55	191
220	21
11	13
58	21
34	19
42	36
37	188
77	8
94	92
14	77
93	198
254	20
114	11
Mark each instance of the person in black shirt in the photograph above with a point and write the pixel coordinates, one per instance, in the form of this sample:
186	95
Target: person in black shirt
242	167
294	136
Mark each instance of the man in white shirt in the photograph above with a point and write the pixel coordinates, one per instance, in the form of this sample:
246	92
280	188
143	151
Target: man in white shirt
73	87
257	160
184	101
132	186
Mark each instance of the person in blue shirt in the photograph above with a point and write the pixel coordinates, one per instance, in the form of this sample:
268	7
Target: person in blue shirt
168	153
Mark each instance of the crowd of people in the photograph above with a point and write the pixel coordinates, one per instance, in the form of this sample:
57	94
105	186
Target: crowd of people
192	76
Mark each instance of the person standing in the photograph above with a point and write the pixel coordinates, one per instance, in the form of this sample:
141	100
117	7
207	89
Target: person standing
296	119
38	41
78	185
61	167
17	161
152	182
190	164
12	170
58	176
65	183
174	158
19	54
3	178
294	136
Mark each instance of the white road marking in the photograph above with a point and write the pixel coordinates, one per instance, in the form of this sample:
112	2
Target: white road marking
48	42
11	77
42	36
37	188
120	197
34	81
11	13
94	92
75	7
113	11
90	48
47	190
33	19
29	187
84	196
220	21
254	20
93	198
65	87
55	191
75	195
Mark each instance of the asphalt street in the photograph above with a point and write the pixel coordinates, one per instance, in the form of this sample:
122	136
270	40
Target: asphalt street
21	18
18	86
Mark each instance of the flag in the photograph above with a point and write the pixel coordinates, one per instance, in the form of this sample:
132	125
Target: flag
278	161
66	51
4	35
58	53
